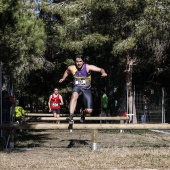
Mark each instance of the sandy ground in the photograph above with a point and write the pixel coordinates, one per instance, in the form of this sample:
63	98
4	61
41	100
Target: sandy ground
60	149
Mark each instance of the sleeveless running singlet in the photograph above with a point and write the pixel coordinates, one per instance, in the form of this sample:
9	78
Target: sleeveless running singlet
82	78
55	102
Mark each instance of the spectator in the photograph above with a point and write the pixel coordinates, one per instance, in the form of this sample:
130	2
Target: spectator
104	103
19	112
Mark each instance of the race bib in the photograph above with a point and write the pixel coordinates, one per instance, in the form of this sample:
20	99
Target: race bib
55	104
80	82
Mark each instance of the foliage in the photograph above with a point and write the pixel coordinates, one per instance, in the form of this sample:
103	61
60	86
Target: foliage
22	38
104	31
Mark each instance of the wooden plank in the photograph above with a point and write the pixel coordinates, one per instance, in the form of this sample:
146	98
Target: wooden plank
39	114
85	126
76	118
47	114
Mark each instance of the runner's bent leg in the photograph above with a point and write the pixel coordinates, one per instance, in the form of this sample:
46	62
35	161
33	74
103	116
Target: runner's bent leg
88	103
73	103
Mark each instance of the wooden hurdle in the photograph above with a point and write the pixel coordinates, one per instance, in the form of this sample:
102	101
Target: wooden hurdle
76	118
93	127
48	114
64	126
118	118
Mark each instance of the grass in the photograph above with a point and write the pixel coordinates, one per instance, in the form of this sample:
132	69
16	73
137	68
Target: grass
141	149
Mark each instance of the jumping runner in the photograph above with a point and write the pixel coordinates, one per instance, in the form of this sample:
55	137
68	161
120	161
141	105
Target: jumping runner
81	85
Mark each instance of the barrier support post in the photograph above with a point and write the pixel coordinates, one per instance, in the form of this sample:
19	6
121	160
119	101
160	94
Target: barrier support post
11	144
121	122
70	127
94	139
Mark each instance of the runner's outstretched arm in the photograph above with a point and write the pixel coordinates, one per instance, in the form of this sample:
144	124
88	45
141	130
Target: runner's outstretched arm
97	69
66	73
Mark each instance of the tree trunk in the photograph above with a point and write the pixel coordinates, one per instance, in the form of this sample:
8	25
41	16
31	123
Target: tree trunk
131	104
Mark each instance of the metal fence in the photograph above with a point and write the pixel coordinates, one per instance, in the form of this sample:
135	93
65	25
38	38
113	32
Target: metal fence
151	105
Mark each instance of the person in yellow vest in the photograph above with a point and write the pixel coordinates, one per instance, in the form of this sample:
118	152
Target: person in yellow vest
19	112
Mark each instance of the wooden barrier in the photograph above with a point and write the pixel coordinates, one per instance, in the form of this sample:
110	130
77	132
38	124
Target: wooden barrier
85	126
75	118
93	127
39	114
48	115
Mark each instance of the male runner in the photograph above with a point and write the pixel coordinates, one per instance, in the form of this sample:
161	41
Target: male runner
81	85
54	103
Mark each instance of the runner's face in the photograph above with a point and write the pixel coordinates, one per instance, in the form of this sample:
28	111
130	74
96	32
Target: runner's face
79	63
56	91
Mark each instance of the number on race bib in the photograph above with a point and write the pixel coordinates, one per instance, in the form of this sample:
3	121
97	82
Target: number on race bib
55	104
80	82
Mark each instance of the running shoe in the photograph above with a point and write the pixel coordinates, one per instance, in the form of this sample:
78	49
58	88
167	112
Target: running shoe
82	118
70	118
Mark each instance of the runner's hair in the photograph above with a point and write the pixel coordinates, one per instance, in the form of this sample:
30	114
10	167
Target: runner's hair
79	56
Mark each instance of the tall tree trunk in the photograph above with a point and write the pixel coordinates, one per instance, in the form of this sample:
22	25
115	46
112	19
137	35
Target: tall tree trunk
131	104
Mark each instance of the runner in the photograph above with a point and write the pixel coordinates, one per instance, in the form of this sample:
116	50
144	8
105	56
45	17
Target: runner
54	103
81	85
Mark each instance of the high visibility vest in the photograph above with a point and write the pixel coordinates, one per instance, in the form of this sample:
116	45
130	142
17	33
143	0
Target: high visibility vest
19	111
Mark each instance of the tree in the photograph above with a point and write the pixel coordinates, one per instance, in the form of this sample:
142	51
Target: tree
127	38
22	38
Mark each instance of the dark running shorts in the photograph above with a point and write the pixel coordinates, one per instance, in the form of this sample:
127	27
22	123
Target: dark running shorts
86	96
57	111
